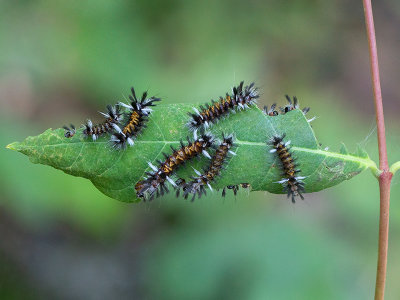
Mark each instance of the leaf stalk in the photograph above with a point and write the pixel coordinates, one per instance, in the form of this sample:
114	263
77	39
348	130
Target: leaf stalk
395	167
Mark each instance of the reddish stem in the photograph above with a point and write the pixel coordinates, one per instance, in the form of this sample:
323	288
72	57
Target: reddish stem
376	84
384	186
386	176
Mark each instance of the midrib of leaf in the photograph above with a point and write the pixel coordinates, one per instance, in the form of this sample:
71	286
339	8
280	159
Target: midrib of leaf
365	161
348	157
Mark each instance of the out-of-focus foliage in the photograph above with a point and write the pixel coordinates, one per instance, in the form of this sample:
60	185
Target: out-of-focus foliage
61	61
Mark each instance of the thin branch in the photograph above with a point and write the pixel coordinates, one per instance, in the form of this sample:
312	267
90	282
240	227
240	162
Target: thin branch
386	176
376	84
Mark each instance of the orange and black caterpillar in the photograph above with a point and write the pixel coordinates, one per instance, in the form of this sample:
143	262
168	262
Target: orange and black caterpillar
139	110
283	110
198	185
113	117
241	98
292	184
154	184
69	132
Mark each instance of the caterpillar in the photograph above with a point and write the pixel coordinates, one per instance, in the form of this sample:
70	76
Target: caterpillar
69	132
272	111
136	119
235	188
154	184
241	98
113	117
292	184
293	104
198	185
181	184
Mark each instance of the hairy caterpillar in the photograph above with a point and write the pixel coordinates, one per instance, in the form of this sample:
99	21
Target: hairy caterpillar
235	188
198	185
69	132
139	110
293	104
241	98
154	184
113	117
292	184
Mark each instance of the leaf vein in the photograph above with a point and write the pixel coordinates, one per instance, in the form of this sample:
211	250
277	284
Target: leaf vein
80	151
112	165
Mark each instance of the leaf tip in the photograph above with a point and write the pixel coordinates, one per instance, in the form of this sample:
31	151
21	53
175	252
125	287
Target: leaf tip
13	146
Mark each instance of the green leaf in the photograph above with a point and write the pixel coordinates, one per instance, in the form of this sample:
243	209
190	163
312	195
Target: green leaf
115	172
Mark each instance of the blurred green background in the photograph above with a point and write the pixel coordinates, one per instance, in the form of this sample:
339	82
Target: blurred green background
62	61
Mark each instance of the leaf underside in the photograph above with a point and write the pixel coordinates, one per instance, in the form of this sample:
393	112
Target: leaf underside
115	172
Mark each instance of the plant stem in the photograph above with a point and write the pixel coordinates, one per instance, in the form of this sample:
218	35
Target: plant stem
386	176
369	21
384	186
